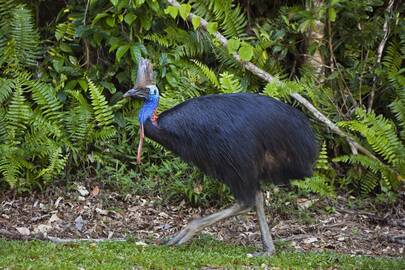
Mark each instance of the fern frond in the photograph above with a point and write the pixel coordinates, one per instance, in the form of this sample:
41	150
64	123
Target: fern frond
371	164
208	73
380	134
10	167
22	31
48	127
44	95
398	108
65	31
368	183
159	39
57	162
102	111
230	16
229	84
322	162
377	172
105	133
283	89
392	61
234	20
316	184
6	7
3	125
78	124
6	89
19	112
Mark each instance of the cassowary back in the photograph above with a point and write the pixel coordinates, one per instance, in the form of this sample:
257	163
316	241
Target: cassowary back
239	139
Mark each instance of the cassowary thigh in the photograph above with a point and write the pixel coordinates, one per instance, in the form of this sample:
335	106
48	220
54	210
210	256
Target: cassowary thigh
243	185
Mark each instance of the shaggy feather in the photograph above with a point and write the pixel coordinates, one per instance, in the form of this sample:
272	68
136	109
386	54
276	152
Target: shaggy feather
240	139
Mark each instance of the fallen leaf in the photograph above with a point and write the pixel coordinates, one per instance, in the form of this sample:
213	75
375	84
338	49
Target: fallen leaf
304	203
163	214
42	228
198	188
82	190
23	230
310	240
101	211
95	191
58	201
54	218
79	223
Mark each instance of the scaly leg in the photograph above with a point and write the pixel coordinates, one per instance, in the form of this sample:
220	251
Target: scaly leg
268	245
197	225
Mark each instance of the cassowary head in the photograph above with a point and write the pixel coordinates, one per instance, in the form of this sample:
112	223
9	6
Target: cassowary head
148	93
146	90
145	87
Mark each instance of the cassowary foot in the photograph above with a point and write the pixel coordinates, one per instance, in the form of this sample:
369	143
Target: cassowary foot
197	225
266	253
177	239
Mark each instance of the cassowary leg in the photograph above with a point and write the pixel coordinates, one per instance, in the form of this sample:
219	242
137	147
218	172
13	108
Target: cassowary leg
197	225
268	245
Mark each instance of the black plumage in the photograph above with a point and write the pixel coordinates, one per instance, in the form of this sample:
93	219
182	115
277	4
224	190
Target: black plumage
239	139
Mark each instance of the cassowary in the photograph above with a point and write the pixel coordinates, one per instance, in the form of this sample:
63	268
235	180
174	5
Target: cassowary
239	139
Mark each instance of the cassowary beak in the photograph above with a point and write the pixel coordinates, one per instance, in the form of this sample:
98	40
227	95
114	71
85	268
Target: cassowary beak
137	93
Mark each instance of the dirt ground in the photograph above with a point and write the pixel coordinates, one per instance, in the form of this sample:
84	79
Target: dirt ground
98	214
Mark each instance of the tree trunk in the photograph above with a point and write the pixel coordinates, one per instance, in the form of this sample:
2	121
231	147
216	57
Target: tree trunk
315	35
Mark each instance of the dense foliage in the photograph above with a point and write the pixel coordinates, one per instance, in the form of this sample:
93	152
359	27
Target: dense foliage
64	66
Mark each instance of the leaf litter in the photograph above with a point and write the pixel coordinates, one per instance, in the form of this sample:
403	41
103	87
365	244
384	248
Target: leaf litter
108	215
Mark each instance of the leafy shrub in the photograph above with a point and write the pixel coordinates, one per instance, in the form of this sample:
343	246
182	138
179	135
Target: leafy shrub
61	81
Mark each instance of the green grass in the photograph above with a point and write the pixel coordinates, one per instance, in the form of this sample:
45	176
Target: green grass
201	253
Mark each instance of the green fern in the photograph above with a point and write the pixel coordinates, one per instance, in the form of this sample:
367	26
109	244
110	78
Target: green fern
317	184
44	95
10	168
19	112
65	32
57	161
322	162
208	73
393	63
230	16
27	47
320	182
6	89
6	8
382	136
159	39
229	84
102	111
3	125
283	89
78	124
380	133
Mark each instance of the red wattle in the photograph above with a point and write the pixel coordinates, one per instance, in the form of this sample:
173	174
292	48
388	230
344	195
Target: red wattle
138	156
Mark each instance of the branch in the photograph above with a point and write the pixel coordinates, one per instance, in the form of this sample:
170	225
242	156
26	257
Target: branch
303	101
380	50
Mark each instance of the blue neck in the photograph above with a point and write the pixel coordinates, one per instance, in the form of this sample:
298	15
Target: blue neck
148	108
